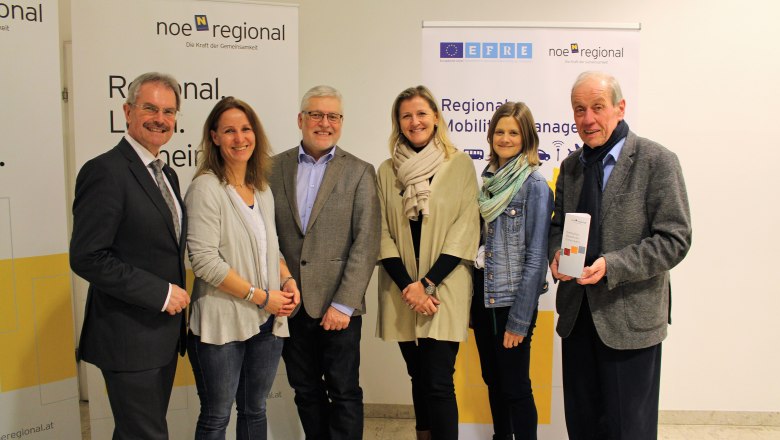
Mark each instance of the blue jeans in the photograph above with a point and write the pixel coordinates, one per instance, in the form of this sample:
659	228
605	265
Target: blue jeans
242	371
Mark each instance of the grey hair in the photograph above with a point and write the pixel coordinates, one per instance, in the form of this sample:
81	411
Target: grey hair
152	77
611	82
321	91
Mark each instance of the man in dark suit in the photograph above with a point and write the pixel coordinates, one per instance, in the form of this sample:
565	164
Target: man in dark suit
128	242
328	221
613	317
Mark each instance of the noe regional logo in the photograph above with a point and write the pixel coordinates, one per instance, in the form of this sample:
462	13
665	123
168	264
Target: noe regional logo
201	23
497	50
237	33
21	12
593	53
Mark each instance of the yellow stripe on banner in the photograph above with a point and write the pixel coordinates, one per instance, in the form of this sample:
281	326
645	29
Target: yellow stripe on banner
36	322
8	316
552	182
473	404
184	376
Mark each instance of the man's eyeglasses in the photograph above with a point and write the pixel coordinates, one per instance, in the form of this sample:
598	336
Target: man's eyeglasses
152	110
333	118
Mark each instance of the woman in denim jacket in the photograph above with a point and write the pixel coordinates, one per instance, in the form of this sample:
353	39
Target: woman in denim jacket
515	204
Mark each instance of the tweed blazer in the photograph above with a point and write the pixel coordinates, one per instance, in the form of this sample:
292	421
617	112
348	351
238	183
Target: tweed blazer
335	259
646	231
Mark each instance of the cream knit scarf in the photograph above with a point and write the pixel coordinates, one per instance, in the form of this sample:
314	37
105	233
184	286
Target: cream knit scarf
414	170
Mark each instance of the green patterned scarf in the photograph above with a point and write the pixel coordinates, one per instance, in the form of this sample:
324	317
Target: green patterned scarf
498	191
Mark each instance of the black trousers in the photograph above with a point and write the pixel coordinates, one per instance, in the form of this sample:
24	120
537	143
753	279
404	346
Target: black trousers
323	369
139	401
504	370
430	364
608	394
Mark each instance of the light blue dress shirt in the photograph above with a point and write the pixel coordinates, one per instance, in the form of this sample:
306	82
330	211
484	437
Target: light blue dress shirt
307	185
308	181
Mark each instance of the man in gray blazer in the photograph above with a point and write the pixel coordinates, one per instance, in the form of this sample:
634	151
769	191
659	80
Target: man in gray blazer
328	221
614	316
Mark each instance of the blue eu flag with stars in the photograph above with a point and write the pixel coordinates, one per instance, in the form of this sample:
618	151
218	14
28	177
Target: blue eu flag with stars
450	50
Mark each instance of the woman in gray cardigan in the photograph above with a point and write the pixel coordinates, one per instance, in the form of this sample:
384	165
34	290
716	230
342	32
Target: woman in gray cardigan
243	290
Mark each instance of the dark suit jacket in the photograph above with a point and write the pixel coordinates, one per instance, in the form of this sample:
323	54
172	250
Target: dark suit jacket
124	245
334	261
646	231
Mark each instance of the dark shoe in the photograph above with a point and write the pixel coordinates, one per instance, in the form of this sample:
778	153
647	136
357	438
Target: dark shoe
423	435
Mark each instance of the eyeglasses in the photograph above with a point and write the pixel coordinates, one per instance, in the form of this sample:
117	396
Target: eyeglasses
153	110
333	118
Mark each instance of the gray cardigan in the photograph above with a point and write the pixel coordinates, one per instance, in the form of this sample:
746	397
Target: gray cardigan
219	239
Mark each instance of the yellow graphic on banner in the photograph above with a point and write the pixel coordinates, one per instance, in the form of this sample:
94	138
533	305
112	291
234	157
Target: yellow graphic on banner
471	391
36	322
184	376
551	183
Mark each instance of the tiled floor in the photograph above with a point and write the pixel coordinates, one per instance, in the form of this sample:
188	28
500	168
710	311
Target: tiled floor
716	432
403	429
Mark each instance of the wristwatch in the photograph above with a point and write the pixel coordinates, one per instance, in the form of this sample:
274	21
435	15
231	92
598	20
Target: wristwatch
430	288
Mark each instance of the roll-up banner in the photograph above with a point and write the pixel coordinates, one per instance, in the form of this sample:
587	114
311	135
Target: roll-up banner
38	385
473	68
214	49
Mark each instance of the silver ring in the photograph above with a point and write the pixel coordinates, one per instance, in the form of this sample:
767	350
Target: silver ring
425	313
411	306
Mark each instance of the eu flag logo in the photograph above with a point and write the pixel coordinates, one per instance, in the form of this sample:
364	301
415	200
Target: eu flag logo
201	23
450	50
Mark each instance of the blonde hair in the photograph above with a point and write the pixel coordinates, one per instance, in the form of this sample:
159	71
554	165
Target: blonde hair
439	131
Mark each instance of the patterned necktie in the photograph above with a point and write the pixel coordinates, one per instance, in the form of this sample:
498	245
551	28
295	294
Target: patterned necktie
157	165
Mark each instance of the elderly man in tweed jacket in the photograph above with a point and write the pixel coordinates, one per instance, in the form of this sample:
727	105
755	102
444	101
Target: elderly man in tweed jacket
613	317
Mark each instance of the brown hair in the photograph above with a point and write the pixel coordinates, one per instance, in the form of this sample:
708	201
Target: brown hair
259	164
530	139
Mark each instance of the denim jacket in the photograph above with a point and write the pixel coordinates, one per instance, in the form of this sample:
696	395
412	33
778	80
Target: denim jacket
516	252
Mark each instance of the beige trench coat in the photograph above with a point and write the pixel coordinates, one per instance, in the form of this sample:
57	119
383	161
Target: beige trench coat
451	228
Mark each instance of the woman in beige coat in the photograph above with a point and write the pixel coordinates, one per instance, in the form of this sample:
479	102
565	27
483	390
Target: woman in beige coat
430	234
